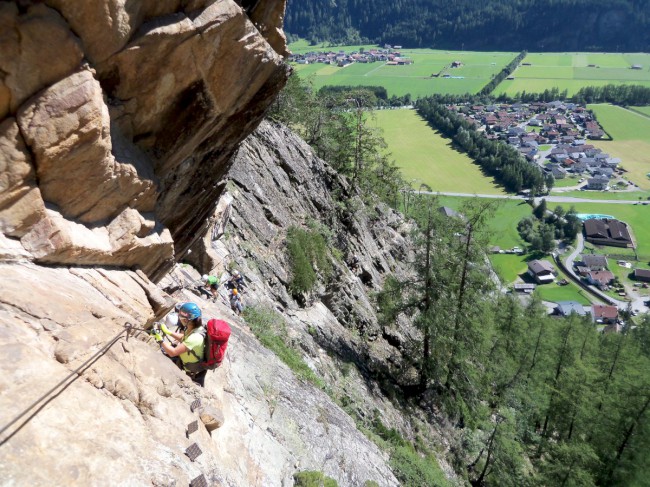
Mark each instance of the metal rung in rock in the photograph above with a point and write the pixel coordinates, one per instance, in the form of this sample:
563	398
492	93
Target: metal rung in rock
193	451
195	405
199	481
192	427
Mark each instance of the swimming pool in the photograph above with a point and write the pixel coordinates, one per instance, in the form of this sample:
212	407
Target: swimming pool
590	216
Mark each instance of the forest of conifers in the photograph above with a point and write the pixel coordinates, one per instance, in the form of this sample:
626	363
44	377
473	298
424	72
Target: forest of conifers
535	25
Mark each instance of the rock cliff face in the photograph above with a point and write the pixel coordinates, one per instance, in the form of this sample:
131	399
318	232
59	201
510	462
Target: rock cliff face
117	120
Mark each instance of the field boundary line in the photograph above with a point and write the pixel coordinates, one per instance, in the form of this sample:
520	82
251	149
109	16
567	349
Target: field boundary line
644	115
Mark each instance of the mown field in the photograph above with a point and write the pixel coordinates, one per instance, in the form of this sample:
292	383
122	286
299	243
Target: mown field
425	157
477	70
630	132
572	71
642	110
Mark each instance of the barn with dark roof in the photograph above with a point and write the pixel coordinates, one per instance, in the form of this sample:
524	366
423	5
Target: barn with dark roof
607	232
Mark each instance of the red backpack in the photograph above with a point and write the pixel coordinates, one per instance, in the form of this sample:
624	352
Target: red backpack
216	335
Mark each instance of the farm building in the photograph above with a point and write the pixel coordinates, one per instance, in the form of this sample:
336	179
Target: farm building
607	232
542	271
642	275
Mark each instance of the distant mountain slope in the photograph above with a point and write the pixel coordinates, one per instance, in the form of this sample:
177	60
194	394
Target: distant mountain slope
535	25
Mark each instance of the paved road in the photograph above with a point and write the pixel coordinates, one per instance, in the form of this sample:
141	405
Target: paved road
549	199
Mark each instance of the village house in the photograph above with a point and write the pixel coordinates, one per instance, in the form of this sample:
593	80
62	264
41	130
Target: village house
598	183
565	308
595	262
541	271
601	313
600	279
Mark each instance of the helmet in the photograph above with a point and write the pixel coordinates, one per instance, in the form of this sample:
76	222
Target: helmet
171	320
204	277
235	273
234	292
190	310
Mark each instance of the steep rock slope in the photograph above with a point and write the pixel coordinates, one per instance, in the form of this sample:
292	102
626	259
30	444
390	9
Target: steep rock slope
97	415
276	183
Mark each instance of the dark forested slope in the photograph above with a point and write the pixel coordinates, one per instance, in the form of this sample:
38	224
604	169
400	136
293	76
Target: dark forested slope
535	25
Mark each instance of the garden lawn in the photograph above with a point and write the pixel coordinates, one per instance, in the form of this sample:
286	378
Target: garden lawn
509	266
425	157
571	292
422	78
630	132
566	182
572	71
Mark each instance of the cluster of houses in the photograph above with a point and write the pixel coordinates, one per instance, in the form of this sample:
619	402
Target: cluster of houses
600	314
565	127
593	270
389	56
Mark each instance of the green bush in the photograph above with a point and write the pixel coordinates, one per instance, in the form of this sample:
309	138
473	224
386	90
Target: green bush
410	467
415	470
270	330
311	478
308	255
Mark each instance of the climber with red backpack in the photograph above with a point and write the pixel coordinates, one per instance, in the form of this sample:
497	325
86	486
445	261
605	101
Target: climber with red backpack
199	348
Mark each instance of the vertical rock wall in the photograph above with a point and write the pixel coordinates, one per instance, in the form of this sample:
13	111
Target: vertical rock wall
118	118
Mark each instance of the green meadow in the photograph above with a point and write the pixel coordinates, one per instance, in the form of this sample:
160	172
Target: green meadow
422	78
630	132
572	71
425	157
642	110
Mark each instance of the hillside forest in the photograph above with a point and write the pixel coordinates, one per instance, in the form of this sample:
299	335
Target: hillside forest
535	25
531	399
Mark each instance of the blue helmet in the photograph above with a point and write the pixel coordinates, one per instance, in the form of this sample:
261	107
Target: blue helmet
191	311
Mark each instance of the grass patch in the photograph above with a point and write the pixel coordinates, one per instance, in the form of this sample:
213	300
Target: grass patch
607	195
571	292
271	331
425	157
509	266
312	478
503	227
566	182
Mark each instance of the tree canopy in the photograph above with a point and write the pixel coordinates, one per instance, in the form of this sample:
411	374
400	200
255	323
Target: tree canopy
536	25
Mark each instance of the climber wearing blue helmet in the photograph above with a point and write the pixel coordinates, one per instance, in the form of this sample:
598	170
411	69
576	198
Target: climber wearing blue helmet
190	346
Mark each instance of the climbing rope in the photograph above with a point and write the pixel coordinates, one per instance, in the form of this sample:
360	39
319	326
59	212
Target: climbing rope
45	399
